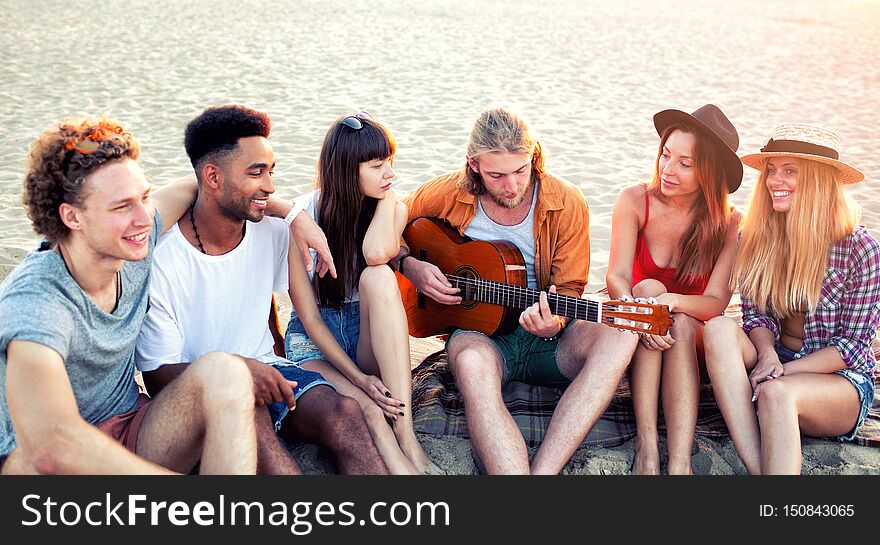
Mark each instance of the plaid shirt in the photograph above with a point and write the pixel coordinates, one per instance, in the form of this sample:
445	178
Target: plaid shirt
849	304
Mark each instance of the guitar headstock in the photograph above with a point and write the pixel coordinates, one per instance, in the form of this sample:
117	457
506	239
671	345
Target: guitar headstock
641	317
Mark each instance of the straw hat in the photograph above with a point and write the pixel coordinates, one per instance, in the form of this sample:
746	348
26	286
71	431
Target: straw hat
711	122
805	142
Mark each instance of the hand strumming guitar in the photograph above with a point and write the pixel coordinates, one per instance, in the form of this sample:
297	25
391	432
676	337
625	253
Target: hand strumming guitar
428	279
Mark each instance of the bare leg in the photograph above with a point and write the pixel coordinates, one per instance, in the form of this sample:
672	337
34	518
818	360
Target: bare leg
822	405
645	373
645	386
383	350
730	355
496	438
273	457
336	422
383	436
681	392
598	355
206	413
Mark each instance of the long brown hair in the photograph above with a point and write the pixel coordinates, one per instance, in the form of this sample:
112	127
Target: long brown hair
343	212
702	241
782	256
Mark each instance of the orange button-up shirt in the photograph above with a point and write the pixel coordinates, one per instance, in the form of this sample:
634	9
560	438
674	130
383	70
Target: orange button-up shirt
562	225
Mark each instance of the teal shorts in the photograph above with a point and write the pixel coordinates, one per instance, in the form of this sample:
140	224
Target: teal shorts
527	358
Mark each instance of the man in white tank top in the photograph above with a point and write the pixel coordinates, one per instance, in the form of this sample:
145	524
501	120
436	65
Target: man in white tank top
504	193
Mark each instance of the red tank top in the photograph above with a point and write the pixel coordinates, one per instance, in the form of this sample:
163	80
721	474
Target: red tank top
644	267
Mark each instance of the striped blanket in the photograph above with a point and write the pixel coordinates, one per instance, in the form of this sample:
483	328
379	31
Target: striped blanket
438	409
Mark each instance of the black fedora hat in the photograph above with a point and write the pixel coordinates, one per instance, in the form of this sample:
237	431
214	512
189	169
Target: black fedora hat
712	122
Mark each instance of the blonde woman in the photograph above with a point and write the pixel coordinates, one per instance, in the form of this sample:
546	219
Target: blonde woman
674	240
810	282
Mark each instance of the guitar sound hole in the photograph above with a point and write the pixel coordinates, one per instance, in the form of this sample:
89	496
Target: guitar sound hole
467	283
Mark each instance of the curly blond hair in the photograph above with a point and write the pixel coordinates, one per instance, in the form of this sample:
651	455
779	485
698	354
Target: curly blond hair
61	159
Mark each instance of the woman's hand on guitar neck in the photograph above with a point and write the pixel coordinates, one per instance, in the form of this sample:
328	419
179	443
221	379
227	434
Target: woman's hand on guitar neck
429	280
657	343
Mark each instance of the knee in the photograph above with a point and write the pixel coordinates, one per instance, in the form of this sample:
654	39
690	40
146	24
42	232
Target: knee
379	281
719	330
683	326
585	334
466	352
374	416
774	395
223	376
347	408
648	288
346	418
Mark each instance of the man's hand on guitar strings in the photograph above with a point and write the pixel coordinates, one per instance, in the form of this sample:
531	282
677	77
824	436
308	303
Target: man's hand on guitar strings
429	280
539	320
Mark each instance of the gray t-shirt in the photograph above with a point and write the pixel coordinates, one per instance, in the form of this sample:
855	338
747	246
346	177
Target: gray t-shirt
40	302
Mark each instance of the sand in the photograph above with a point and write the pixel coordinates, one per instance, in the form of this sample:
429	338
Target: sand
587	74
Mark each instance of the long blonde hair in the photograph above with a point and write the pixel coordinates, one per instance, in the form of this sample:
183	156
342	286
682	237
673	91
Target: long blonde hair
782	256
703	239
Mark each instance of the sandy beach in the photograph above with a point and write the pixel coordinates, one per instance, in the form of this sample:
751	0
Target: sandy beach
588	75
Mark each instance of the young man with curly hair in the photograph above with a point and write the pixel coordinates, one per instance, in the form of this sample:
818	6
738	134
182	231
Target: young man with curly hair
70	314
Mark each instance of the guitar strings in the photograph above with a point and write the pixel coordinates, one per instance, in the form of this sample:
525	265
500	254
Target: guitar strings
492	291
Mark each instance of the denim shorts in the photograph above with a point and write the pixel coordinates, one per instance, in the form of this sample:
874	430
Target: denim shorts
344	323
864	385
305	380
526	358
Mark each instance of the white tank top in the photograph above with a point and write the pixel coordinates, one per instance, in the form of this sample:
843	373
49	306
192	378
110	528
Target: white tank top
522	235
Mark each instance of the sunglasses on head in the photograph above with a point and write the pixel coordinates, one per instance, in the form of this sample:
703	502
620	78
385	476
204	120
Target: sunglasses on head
79	148
355	121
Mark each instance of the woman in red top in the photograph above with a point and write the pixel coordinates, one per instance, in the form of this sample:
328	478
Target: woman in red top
682	258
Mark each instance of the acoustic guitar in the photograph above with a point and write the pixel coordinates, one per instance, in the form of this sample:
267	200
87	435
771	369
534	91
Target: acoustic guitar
492	278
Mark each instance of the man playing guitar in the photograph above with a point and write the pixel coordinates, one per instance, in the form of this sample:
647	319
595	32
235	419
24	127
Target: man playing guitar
504	193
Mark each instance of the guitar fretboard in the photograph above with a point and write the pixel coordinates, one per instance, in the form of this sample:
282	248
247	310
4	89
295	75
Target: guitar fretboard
497	293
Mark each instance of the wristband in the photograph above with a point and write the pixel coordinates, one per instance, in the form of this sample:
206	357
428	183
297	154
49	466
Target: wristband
294	212
400	262
558	333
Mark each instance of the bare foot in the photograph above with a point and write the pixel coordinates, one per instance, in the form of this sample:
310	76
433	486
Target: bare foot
424	465
433	469
646	460
674	469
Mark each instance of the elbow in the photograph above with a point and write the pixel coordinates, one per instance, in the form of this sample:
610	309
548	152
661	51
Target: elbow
711	311
707	314
52	453
310	320
380	256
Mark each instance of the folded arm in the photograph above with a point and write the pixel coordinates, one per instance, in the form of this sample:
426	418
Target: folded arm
381	241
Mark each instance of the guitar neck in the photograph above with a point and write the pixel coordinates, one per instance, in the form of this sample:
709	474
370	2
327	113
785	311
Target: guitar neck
508	295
